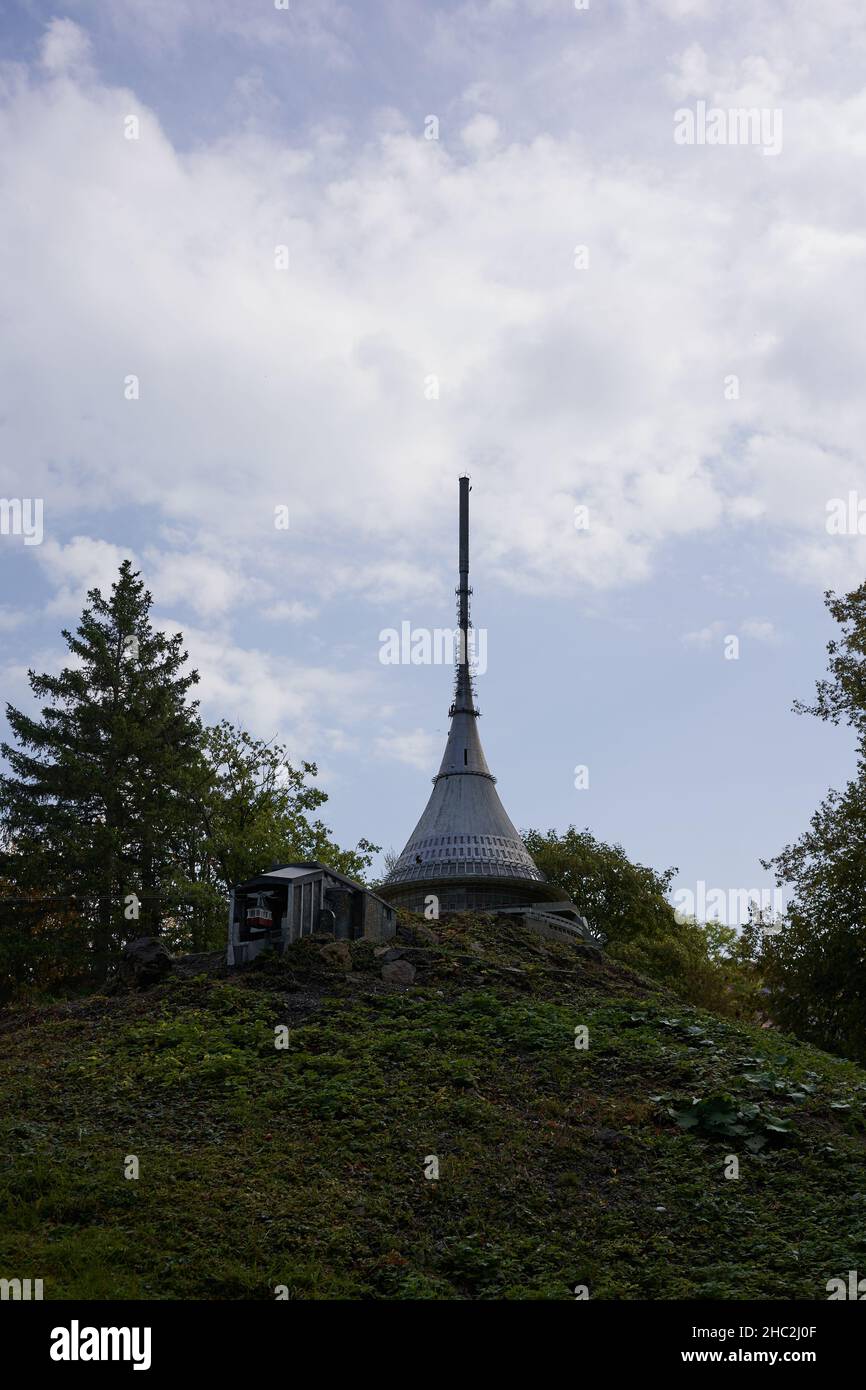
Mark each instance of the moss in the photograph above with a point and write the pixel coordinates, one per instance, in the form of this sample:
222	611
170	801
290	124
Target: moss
304	1167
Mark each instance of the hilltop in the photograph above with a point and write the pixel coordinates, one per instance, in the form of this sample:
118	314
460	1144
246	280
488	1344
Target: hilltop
304	1167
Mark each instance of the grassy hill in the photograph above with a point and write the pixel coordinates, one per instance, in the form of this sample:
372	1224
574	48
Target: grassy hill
304	1167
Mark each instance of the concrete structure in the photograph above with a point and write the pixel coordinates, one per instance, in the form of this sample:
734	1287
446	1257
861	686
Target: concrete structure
465	852
295	900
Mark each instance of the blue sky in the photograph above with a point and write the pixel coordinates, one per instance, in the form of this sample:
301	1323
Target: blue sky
435	316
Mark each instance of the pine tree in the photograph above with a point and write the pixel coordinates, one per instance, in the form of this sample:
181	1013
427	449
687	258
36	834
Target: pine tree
101	786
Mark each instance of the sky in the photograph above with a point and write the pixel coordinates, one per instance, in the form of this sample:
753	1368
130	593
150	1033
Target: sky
311	263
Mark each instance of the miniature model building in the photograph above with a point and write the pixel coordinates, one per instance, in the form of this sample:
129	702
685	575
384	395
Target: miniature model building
295	900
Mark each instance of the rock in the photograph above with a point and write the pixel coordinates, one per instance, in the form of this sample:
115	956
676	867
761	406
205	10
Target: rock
338	953
426	936
584	949
144	962
210	963
417	955
398	972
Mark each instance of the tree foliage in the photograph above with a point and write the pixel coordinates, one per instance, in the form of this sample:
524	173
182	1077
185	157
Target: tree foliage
122	815
256	809
705	962
622	899
100	786
816	966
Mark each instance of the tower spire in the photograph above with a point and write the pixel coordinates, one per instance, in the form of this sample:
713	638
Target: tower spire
464	848
464	695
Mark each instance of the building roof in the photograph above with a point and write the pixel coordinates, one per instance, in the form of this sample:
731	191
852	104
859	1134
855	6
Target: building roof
304	869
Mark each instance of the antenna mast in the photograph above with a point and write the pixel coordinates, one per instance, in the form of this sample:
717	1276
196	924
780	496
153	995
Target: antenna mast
463	692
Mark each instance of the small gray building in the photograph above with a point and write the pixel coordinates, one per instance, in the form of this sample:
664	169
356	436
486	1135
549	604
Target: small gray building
295	900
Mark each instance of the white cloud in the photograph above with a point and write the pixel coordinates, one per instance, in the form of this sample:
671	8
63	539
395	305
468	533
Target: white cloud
837	562
682	9
416	748
757	629
273	693
10	618
65	48
760	630
408	261
706	636
290	611
209	584
480	134
74	568
322	30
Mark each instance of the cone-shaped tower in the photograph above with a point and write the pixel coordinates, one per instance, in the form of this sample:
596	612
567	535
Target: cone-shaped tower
464	848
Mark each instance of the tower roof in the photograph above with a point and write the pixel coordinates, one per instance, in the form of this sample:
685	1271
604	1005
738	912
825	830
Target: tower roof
465	832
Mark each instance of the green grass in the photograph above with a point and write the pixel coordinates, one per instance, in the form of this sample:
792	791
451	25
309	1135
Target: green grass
304	1167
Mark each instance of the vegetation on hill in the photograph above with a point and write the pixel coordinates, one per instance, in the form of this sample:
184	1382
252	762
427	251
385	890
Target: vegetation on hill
302	1170
707	963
